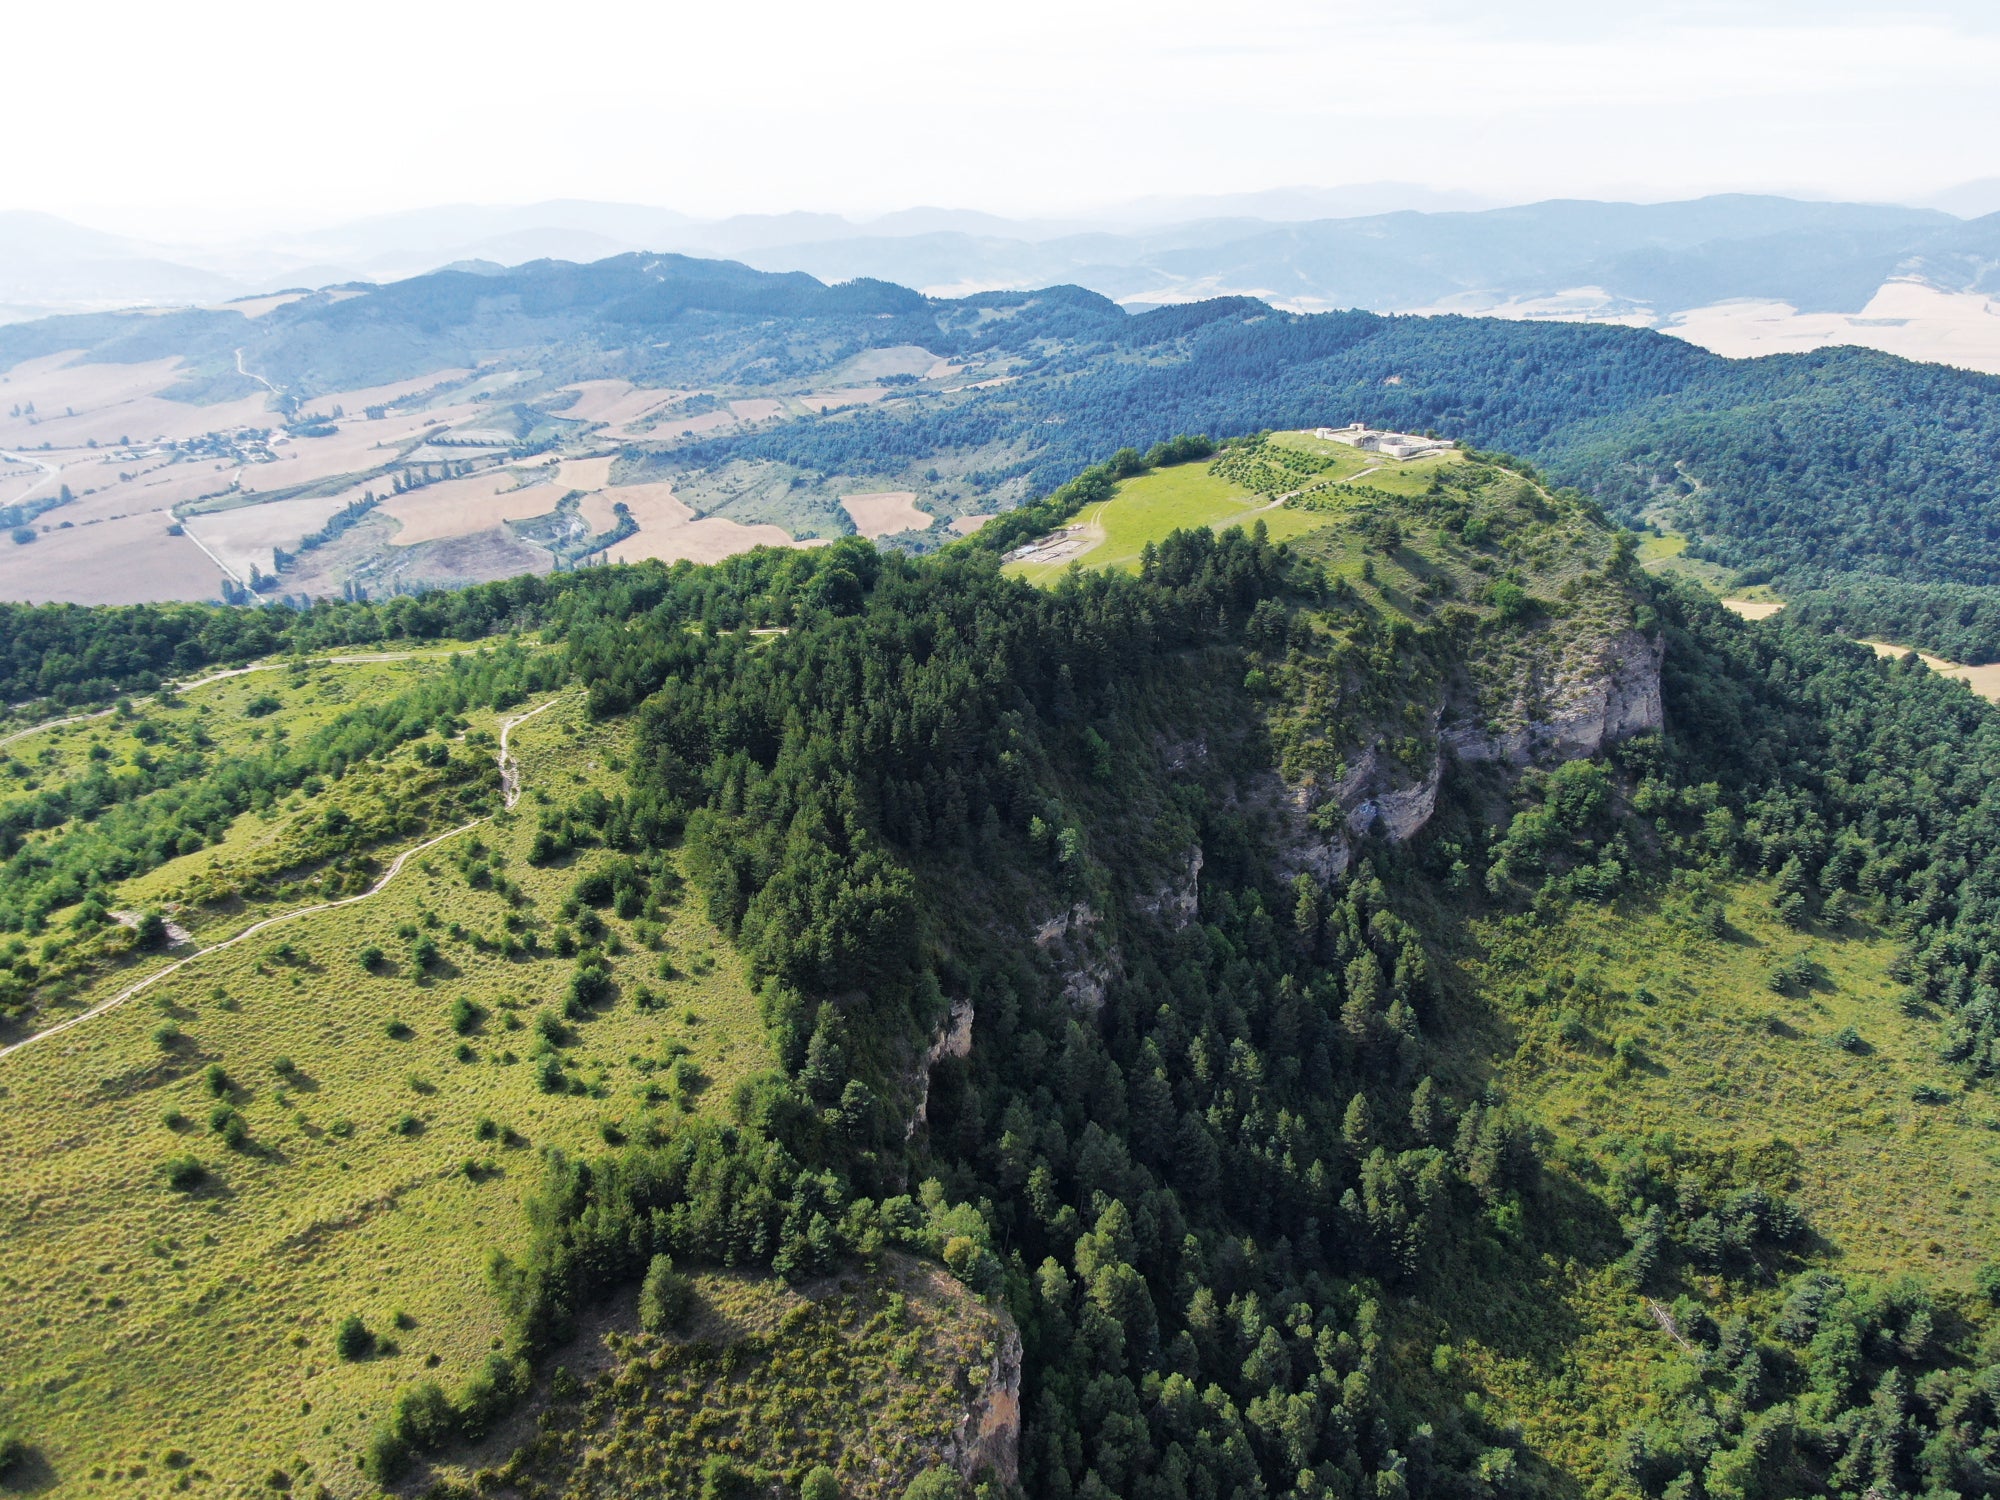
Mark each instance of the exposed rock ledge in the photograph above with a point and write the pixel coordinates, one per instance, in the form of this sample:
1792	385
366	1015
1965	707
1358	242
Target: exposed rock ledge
954	1039
989	1434
1577	715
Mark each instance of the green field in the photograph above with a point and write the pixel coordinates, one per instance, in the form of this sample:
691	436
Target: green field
1149	507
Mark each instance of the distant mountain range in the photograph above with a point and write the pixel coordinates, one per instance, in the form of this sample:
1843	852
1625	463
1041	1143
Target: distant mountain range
1385	247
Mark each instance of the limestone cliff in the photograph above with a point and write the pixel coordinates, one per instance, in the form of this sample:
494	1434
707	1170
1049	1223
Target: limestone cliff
1567	706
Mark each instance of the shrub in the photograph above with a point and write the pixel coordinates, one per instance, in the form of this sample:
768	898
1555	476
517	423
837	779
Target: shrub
935	1484
1986	1281
183	1173
549	1074
424	954
351	1338
725	1479
215	1080
386	1457
261	705
665	1298
372	957
397	1031
819	1484
550	1029
14	1455
230	1125
167	1037
465	1015
150	932
590	985
1847	1039
407	1125
283	1066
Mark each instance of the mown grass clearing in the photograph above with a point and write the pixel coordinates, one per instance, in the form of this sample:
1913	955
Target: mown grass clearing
145	1321
1152	506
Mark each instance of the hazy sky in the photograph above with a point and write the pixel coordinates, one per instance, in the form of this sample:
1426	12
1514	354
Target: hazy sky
221	116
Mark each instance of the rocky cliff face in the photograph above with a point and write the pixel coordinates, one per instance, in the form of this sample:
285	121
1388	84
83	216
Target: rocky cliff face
989	1435
1561	711
954	1039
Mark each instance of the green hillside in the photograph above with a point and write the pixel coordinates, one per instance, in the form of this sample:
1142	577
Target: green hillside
1354	988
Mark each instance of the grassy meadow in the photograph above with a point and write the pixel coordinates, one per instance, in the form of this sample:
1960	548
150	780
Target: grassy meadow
363	1136
1618	1024
1149	507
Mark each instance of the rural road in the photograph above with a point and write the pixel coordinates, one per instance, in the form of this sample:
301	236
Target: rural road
49	471
510	786
227	571
253	375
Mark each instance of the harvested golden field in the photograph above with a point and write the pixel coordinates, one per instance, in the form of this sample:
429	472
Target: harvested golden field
694	426
966	525
247	534
128	561
596	509
1904	318
75	403
356	402
1753	609
616	403
257	307
886	514
358	447
153	485
1983	680
461	507
669	531
756	409
585	473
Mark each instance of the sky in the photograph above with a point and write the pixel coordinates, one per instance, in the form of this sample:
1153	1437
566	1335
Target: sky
209	119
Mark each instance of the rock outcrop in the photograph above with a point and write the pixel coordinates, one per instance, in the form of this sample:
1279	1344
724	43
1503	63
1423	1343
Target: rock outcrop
1178	900
989	1434
954	1039
1084	964
1610	694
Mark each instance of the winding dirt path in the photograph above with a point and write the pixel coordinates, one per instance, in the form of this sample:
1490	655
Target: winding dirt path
510	787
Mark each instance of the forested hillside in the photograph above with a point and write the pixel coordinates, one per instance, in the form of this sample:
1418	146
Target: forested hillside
1239	973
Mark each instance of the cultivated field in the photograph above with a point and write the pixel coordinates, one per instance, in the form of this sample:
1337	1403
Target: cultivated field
128	561
886	514
463	507
246	535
